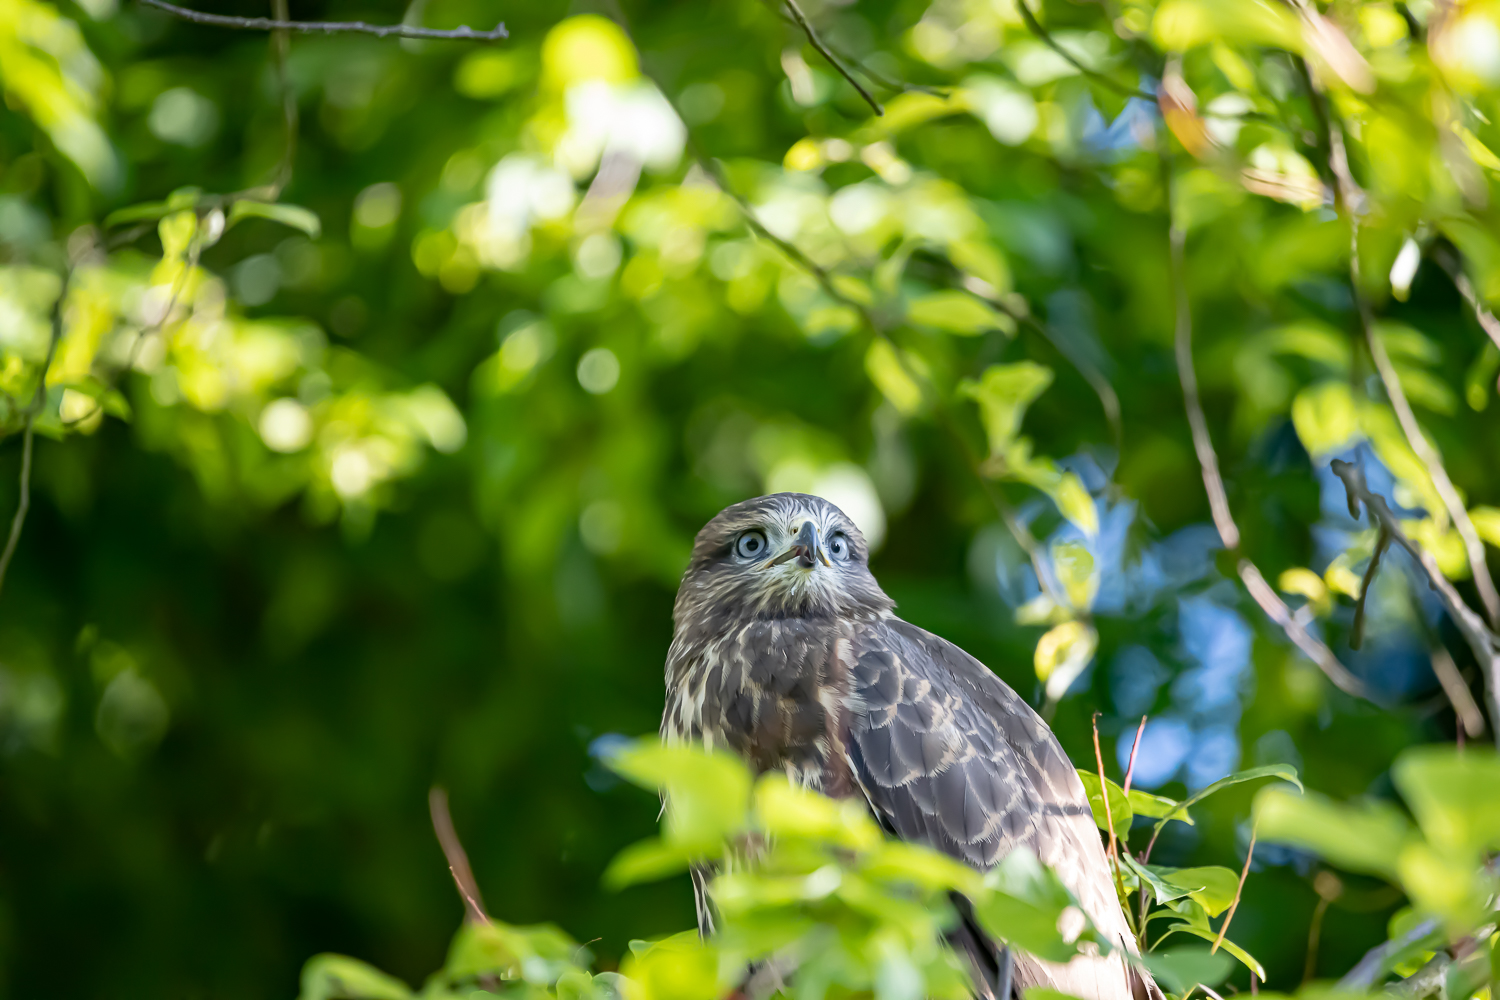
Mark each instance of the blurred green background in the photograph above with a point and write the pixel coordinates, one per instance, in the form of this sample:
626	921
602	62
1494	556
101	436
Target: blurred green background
324	516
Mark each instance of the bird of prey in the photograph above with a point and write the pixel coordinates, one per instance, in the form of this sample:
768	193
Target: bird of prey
787	653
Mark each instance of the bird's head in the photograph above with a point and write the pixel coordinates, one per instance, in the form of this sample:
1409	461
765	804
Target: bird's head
788	555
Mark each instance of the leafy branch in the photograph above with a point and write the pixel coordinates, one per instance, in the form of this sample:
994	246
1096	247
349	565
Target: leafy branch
827	53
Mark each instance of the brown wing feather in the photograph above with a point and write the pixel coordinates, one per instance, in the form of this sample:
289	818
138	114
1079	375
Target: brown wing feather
948	755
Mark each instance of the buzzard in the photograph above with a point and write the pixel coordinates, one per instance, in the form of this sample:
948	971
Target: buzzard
787	653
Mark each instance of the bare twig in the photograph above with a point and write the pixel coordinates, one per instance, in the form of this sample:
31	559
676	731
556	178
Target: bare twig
1239	889
1482	641
1469	716
1312	647
28	436
1487	320
453	850
462	33
1433	462
827	53
1134	746
1357	628
1109	819
1213	482
1072	60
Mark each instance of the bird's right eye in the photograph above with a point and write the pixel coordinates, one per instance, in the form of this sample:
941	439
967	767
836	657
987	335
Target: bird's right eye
751	545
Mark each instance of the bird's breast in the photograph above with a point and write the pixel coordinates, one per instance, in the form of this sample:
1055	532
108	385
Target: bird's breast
771	691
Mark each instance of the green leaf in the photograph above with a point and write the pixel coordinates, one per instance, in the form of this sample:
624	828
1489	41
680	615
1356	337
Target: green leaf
1003	393
1180	25
1212	887
707	793
1158	807
955	312
1245	958
1119	805
785	810
1184	967
537	954
1024	904
680	967
1454	796
1325	418
294	216
1285	772
646	861
338	977
1361	837
1152	875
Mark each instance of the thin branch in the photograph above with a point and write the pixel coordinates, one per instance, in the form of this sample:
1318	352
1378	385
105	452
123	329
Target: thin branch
1213	483
1203	445
453	850
1469	716
1072	60
1429	457
1134	746
28	437
1357	629
1465	287
1239	889
462	33
1109	819
1483	642
827	53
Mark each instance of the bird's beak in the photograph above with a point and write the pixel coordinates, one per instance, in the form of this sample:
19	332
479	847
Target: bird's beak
806	548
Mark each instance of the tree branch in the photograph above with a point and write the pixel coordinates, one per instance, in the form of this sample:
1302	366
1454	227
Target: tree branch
458	860
827	53
1487	320
1229	533
462	33
1482	641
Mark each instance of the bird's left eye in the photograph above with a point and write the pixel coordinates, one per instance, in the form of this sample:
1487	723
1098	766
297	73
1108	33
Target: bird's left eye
838	545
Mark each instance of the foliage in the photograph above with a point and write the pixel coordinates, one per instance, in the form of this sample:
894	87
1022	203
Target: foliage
518	318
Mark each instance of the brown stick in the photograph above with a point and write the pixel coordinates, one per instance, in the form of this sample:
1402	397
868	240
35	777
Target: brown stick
1114	848
458	861
1357	628
1469	717
462	33
1245	871
1134	746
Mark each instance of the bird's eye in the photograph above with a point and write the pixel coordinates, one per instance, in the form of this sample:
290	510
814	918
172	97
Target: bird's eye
838	545
751	545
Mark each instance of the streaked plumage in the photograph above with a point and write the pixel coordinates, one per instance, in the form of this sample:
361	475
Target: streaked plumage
787	652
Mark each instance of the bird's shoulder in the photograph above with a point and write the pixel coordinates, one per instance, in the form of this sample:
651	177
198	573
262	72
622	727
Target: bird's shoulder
946	751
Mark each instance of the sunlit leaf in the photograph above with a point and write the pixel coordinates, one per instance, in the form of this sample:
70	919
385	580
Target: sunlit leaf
954	312
1455	795
1182	967
338	977
1119	806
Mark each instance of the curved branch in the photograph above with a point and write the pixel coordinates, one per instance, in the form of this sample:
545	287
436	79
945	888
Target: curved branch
827	53
462	33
